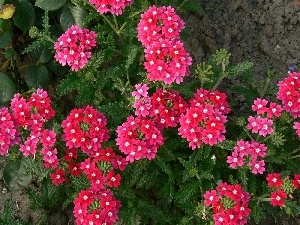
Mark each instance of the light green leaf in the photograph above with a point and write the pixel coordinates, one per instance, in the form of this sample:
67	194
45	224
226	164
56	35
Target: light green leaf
24	16
1	3
37	76
7	88
15	174
50	5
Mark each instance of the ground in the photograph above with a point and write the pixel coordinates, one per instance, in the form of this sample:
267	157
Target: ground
265	32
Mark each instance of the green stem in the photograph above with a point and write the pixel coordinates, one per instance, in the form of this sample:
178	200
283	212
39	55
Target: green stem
47	38
248	134
222	77
111	24
116	22
262	94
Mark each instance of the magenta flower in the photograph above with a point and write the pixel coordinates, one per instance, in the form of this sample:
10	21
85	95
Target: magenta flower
112	6
141	91
73	47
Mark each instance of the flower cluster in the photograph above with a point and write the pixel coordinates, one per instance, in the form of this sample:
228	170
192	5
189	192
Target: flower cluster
229	204
165	57
263	124
96	207
288	93
138	138
74	47
204	120
27	118
85	128
115	7
159	23
250	153
282	188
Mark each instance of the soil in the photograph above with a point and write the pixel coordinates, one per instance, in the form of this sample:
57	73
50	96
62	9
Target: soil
265	32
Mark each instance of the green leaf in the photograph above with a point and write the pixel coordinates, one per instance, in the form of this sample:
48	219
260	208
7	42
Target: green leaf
43	53
15	174
24	16
79	15
1	3
66	18
7	88
50	5
37	76
5	39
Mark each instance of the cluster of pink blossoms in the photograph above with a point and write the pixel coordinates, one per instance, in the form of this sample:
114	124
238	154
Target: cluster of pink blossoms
204	120
84	132
250	153
229	204
112	6
166	59
165	107
263	125
74	47
282	188
97	204
289	94
139	138
85	128
27	118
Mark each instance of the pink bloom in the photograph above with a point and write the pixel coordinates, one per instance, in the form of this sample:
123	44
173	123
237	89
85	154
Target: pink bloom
257	166
278	198
159	23
73	47
296	181
260	106
274	110
211	197
274	180
297	128
141	91
266	127
113	6
254	124
289	94
58	177
235	160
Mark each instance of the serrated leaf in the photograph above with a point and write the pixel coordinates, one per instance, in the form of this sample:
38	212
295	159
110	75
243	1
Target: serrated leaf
50	5
5	39
7	88
15	174
24	16
70	83
37	76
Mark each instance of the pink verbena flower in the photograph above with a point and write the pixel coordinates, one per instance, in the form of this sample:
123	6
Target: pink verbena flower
236	212
167	106
277	198
73	47
85	128
274	180
159	23
250	153
259	106
167	61
297	128
289	94
105	211
260	125
139	138
58	177
112	6
141	91
9	134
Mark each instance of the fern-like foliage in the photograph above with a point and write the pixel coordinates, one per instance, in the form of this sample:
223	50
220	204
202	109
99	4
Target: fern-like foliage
6	215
